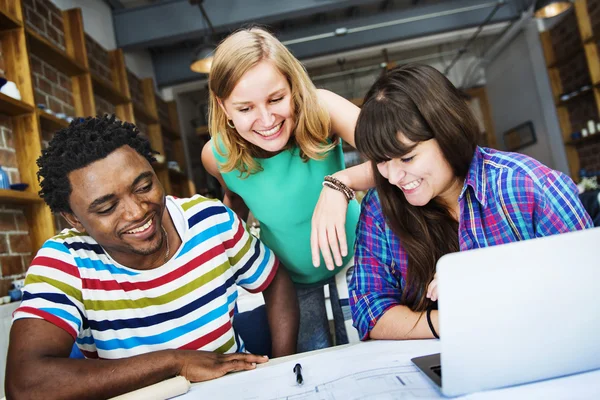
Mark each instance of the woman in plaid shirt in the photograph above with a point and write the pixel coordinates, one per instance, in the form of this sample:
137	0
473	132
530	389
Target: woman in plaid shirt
437	193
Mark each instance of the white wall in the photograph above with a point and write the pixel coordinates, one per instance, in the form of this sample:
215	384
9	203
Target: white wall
519	90
97	19
98	23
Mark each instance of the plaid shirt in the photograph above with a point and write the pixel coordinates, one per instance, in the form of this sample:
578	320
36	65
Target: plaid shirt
506	197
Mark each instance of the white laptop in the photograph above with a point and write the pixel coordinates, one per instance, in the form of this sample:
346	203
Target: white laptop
517	313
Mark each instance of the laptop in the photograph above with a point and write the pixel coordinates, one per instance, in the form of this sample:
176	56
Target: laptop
517	313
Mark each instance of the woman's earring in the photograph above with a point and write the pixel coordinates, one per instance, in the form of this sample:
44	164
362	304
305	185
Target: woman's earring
230	124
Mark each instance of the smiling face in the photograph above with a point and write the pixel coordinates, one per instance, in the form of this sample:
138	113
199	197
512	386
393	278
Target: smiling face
260	107
423	174
119	201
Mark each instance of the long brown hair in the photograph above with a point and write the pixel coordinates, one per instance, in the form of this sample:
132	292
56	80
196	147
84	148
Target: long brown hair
234	56
418	102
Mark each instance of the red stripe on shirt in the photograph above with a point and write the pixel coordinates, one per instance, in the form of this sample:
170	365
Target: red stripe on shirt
56	264
206	339
107	285
230	244
267	282
53	319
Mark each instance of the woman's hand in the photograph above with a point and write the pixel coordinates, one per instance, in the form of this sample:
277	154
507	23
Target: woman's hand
328	234
432	292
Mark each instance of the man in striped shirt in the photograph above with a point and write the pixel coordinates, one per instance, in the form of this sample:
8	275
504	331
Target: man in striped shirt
145	284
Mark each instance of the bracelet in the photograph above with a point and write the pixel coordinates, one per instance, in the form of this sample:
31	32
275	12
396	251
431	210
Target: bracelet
430	323
336	184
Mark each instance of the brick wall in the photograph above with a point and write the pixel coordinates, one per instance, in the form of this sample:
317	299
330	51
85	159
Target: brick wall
15	243
8	155
98	58
46	19
135	88
103	106
163	111
51	87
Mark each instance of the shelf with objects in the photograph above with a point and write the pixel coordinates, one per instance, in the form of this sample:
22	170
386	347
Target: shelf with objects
571	53
181	184
27	222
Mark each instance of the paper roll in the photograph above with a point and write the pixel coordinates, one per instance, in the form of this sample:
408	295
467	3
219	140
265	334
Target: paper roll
159	391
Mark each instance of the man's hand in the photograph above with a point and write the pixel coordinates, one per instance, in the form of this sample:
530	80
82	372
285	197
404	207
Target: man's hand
205	365
432	292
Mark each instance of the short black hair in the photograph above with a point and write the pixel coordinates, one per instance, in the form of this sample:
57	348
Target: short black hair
83	142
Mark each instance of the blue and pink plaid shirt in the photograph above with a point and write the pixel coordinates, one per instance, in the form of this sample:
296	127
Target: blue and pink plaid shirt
506	197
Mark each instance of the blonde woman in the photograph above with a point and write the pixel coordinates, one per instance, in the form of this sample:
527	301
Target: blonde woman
274	141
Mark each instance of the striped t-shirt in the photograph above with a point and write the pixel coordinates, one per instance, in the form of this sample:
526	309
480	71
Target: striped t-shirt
113	311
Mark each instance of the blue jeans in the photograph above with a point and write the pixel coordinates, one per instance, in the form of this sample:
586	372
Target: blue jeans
314	332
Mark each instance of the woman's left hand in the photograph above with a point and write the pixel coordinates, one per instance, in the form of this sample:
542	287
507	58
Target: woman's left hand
328	234
432	291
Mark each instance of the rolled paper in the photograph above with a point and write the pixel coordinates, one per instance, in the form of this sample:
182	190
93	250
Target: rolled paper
159	391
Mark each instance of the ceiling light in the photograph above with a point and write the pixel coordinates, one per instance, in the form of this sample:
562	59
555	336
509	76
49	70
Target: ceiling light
203	58
550	8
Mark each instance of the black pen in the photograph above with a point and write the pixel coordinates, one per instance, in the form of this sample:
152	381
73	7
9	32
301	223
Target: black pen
298	372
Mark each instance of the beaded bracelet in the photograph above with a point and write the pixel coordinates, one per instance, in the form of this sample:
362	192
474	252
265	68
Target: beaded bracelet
336	184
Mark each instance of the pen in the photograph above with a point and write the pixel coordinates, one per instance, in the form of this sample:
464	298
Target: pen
298	371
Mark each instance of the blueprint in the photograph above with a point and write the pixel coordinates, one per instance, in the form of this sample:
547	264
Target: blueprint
377	369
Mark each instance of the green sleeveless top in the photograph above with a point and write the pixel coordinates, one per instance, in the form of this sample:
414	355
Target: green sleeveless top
283	197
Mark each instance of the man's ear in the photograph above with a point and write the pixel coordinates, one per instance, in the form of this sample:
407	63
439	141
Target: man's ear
72	220
222	107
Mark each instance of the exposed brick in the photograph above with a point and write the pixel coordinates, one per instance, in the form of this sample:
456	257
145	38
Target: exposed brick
36	65
3	244
45	86
40	97
8	158
8	138
7	222
57	23
20	243
35	20
11	265
53	35
54	105
29	4
65	82
27	260
5	284
51	74
21	223
69	111
41	6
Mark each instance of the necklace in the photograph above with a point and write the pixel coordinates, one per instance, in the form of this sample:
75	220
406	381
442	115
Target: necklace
167	239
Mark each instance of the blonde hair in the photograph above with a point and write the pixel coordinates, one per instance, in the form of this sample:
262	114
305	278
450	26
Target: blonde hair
234	56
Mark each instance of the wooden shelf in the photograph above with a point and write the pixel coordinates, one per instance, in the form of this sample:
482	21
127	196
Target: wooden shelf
51	122
143	115
588	139
53	55
579	95
8	22
202	130
107	91
13	107
170	132
18	197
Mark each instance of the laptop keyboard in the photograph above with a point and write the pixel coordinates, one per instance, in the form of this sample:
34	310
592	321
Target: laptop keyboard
437	369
